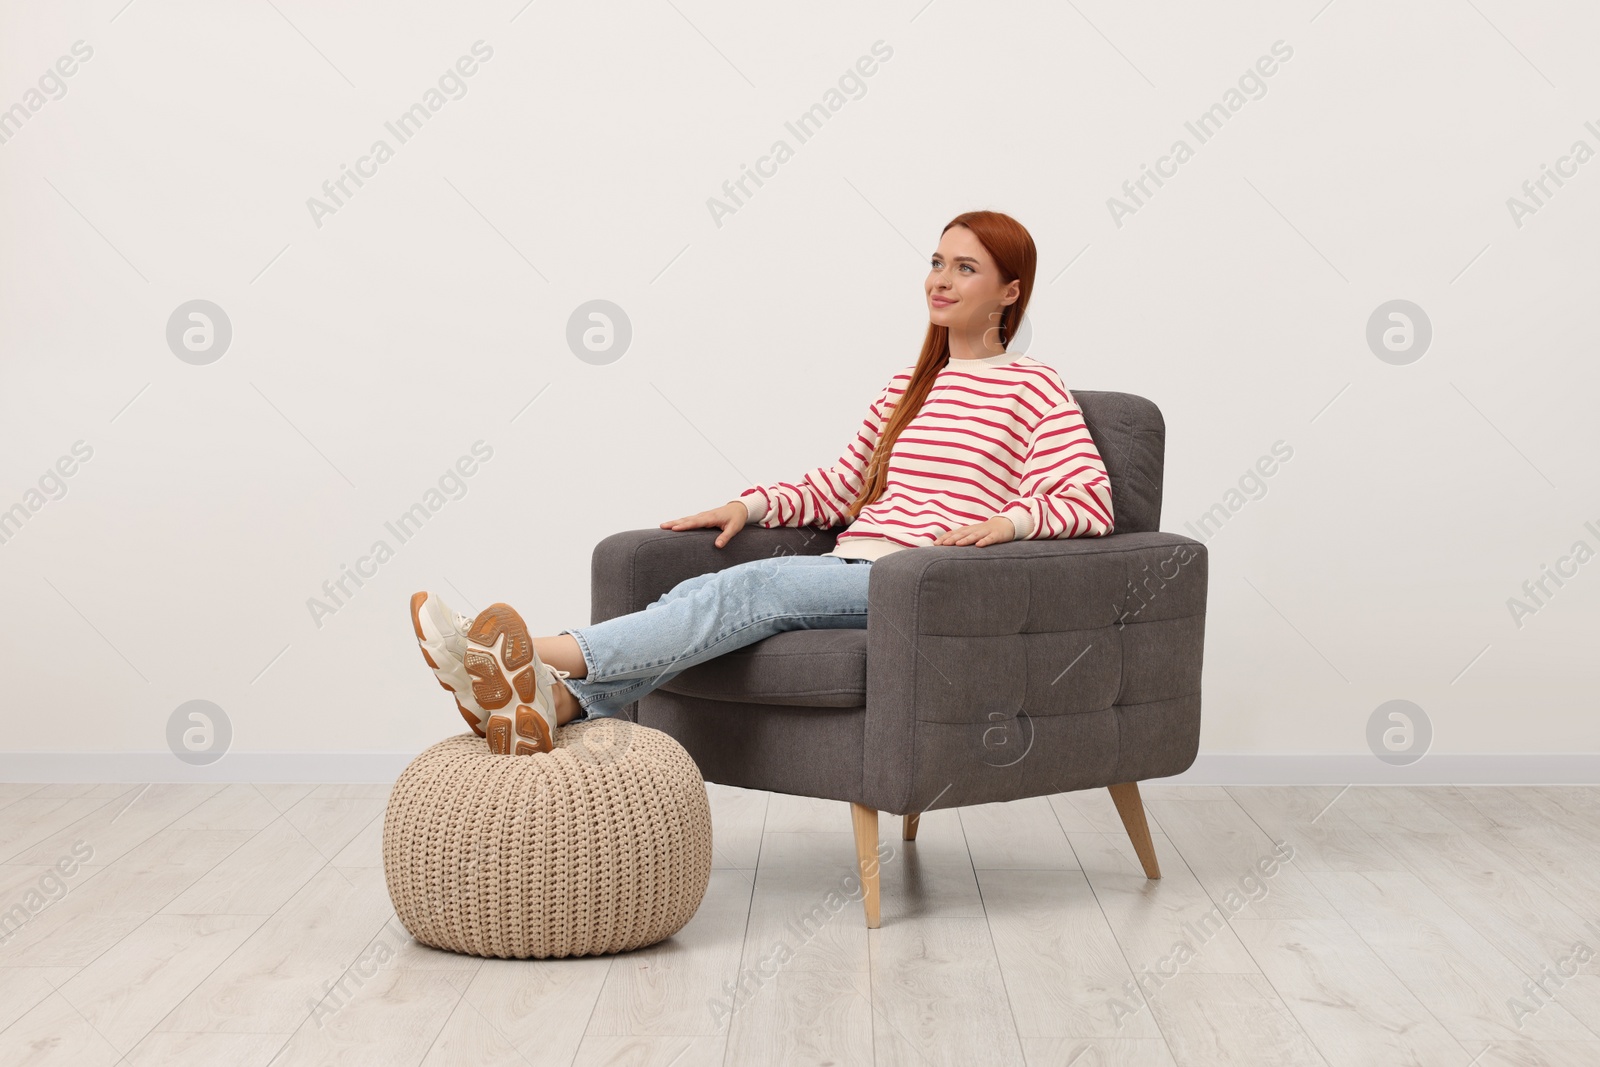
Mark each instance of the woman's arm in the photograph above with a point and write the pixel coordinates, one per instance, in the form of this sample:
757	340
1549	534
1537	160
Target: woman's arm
1064	491
822	495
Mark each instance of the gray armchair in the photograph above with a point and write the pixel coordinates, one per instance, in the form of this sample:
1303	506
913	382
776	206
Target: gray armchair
984	674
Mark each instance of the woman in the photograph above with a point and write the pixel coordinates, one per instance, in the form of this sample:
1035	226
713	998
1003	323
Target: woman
972	445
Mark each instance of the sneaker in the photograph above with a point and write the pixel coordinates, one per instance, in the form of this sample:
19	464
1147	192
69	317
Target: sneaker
512	683
442	635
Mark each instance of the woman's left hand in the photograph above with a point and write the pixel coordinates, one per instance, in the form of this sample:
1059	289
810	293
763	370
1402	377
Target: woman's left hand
995	531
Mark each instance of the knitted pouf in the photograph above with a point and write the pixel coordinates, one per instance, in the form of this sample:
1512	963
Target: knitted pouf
603	845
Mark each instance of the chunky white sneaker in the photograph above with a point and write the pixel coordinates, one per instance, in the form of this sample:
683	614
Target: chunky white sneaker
511	682
442	635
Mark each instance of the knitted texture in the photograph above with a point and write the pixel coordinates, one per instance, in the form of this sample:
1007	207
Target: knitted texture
602	845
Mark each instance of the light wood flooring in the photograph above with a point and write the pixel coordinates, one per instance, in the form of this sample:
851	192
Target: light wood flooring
248	925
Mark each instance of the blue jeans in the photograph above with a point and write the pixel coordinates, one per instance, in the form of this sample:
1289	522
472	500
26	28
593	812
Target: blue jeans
702	617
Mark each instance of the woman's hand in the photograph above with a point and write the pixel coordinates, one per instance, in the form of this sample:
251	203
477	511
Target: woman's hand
995	531
730	517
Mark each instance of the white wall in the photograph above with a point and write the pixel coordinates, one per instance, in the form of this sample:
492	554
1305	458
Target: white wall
372	350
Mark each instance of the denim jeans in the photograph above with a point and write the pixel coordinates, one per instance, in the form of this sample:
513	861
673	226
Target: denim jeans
703	617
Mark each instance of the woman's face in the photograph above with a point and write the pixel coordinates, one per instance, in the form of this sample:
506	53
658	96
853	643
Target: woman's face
964	287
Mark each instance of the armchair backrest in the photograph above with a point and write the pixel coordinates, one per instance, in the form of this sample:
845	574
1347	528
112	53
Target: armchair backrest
1132	437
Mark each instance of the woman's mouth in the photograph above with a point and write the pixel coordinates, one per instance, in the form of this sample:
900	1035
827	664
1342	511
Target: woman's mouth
940	301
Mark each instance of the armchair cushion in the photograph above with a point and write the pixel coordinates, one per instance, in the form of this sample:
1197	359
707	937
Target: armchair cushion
803	668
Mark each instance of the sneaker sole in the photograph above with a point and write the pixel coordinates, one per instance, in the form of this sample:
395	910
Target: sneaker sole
417	600
500	661
523	734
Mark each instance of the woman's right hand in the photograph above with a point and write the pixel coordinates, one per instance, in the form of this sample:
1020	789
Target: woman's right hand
731	517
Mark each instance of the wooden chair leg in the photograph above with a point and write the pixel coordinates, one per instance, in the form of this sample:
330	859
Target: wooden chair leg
908	831
1131	808
865	822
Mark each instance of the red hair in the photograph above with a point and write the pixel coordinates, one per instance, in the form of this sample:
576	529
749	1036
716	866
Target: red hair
1011	247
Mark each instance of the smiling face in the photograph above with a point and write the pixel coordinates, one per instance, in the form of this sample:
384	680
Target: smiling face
964	289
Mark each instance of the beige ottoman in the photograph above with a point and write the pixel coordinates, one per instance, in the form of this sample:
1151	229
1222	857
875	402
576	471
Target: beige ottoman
603	845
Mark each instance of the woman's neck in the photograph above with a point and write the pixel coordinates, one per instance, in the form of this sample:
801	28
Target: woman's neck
969	348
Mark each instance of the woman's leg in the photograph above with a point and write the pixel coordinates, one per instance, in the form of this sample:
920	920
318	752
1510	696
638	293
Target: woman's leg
564	653
706	616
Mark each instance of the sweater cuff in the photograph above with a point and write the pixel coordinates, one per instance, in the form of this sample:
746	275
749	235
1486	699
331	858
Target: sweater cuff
755	502
1019	515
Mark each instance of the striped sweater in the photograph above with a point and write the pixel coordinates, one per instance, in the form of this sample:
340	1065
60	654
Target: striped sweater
998	435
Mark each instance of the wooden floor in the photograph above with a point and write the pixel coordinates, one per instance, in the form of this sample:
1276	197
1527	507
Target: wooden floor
249	925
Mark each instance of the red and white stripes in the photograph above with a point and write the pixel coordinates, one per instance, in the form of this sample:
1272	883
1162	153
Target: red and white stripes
1001	438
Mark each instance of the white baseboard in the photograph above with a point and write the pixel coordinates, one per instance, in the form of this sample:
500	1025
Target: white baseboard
1521	768
318	767
1210	768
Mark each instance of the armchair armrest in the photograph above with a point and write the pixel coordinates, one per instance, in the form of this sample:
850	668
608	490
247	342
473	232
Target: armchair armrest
1031	667
630	570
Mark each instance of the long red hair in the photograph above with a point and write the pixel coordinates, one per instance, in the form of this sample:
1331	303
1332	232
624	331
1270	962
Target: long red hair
1011	247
